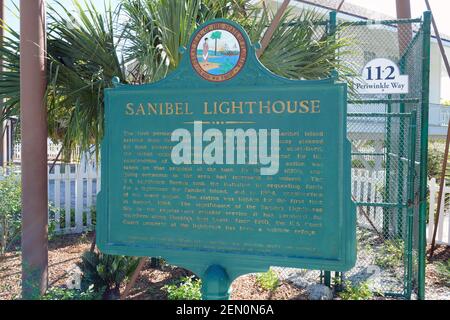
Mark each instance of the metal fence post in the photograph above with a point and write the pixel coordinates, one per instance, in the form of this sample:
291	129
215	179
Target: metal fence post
401	154
387	211
332	23
331	32
327	278
424	151
410	201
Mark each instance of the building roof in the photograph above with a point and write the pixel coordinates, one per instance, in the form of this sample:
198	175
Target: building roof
356	11
348	8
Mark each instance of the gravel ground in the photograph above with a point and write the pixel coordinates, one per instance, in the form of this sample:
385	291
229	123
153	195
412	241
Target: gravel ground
150	282
246	288
65	252
435	288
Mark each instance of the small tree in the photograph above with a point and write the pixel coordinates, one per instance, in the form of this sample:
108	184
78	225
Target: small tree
216	35
105	273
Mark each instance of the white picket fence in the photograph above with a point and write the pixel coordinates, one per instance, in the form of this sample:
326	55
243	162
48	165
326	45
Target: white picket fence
73	188
52	151
443	231
367	186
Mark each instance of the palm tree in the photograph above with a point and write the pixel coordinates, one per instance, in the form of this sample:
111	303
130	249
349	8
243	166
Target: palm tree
216	35
144	37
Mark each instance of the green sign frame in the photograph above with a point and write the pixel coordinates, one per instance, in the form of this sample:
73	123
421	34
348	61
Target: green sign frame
316	110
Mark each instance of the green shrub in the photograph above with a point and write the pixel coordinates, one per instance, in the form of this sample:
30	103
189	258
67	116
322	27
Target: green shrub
187	288
93	212
357	292
268	280
70	294
52	222
10	207
62	218
435	158
391	254
157	262
105	273
443	271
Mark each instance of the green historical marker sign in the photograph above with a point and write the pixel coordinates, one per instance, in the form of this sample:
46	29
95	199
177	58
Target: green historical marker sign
225	168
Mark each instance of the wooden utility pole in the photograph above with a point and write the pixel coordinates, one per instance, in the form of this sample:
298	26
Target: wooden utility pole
404	29
273	26
441	192
33	118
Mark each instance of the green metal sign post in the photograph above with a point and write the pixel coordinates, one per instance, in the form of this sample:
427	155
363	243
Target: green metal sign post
225	168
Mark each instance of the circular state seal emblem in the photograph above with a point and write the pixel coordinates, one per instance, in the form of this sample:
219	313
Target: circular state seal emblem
218	51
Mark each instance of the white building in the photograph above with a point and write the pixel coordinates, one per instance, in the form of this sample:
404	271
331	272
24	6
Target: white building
439	80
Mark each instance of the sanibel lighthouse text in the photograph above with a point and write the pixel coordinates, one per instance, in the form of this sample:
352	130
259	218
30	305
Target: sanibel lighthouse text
183	108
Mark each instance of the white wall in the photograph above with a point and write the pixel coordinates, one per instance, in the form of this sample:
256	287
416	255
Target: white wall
445	80
435	73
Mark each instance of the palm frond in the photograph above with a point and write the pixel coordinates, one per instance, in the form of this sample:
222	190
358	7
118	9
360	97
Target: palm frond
157	29
300	47
83	59
10	74
139	42
144	55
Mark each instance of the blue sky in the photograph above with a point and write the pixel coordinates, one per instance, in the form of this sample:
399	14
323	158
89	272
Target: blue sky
226	38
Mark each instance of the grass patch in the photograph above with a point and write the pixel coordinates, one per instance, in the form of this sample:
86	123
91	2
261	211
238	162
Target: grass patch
268	280
443	271
187	288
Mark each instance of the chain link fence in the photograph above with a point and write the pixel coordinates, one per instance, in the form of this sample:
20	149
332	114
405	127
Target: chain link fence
380	188
388	133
